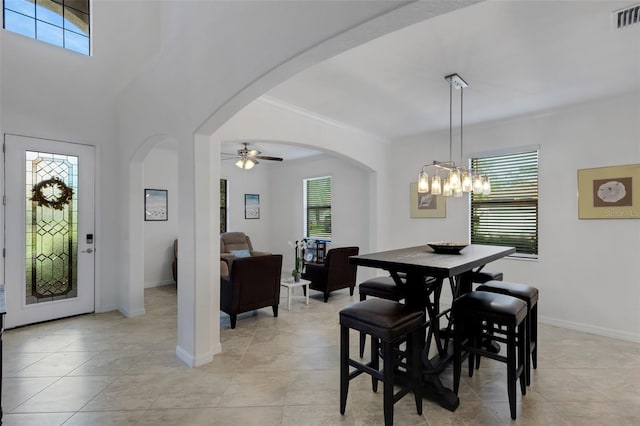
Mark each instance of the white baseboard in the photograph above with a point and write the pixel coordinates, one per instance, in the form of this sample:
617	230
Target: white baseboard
217	348
133	313
107	308
192	361
592	329
159	283
577	326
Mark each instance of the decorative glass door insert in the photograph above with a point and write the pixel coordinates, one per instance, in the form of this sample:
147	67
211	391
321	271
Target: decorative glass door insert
51	227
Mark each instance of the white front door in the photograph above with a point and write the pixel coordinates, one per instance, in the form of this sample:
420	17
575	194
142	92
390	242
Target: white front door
49	229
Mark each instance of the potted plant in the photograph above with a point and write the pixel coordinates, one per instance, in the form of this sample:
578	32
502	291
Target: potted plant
299	247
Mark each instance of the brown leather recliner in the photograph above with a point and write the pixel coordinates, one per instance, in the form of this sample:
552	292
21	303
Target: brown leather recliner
232	241
335	273
253	283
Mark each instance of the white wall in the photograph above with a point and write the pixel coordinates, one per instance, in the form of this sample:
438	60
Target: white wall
356	188
186	91
241	182
49	92
588	271
280	186
53	93
161	172
350	201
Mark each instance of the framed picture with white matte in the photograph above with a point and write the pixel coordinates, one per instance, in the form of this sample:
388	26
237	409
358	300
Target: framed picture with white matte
426	205
609	192
252	206
156	205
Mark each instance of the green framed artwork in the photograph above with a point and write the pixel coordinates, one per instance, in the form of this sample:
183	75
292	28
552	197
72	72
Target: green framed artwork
426	205
609	192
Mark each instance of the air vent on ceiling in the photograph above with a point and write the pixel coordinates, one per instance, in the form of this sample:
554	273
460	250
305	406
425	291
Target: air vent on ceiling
625	17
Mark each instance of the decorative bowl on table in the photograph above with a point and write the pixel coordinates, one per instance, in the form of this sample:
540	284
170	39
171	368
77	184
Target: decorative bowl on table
447	247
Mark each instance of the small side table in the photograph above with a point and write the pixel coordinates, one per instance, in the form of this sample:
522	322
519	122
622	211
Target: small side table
290	285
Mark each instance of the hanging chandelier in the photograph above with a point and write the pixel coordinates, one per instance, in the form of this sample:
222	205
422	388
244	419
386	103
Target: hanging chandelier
448	178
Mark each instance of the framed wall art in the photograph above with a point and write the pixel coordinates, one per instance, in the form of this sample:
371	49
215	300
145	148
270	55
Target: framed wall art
252	206
156	205
609	192
426	205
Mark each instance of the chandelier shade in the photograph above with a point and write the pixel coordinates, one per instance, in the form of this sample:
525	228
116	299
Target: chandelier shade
447	178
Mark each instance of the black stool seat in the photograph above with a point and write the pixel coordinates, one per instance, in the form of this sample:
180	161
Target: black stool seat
502	308
390	323
382	287
474	315
482	277
521	291
529	295
382	319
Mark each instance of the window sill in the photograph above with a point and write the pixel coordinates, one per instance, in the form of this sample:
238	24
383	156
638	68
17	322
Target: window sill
525	257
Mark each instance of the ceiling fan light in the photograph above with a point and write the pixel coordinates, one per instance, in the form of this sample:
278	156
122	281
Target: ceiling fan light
245	163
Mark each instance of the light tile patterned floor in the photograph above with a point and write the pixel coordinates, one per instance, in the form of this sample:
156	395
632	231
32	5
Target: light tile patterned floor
109	370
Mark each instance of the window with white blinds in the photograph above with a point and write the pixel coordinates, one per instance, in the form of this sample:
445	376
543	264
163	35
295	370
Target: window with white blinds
509	215
318	207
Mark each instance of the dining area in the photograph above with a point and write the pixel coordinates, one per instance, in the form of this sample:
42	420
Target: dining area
417	339
285	371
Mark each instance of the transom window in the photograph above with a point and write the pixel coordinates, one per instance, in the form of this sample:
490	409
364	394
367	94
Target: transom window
63	23
509	215
317	206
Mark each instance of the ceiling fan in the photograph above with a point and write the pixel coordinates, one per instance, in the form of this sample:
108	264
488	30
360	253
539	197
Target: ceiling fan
247	158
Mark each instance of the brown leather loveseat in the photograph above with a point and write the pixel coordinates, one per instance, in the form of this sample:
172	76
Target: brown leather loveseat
235	245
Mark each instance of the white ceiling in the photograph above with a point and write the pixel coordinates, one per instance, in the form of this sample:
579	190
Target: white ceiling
519	57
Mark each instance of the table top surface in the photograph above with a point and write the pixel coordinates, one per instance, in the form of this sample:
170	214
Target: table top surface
423	259
289	282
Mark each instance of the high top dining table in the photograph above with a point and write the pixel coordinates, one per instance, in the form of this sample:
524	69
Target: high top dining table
420	262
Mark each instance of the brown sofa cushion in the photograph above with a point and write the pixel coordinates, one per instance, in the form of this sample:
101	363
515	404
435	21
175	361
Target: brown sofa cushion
236	241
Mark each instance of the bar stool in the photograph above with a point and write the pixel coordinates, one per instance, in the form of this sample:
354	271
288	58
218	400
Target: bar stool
479	276
383	288
529	295
470	312
391	323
